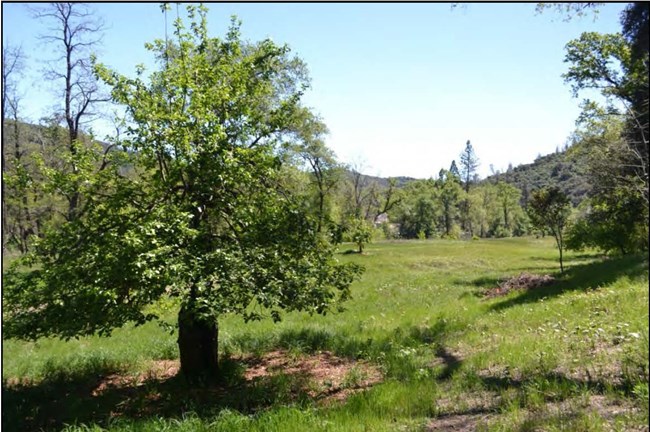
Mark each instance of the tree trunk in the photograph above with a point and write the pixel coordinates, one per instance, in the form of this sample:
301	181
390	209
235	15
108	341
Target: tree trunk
560	244
198	343
5	226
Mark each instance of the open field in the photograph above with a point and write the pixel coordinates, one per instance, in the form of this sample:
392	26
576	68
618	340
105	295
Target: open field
419	347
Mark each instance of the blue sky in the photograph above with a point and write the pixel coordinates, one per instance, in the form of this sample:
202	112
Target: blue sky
401	87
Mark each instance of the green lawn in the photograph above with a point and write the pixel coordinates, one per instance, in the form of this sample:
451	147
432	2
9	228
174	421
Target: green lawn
569	356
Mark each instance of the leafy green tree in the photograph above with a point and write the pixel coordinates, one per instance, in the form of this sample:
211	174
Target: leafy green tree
617	66
612	218
482	208
508	197
320	160
421	219
549	210
417	210
450	195
14	181
205	220
360	232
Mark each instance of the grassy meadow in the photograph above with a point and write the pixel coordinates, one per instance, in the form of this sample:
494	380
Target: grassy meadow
571	355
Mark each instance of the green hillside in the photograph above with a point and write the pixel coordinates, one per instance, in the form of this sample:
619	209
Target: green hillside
566	169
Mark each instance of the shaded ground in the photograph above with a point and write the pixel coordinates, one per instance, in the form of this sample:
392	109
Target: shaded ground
250	384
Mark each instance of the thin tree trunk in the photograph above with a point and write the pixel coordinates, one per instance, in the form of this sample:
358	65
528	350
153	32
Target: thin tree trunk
558	240
24	217
198	346
5	226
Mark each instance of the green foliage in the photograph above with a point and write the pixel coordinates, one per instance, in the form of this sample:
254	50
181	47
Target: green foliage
418	210
616	135
360	232
450	196
439	209
610	225
570	10
549	210
205	219
453	170
595	60
29	151
324	171
567	169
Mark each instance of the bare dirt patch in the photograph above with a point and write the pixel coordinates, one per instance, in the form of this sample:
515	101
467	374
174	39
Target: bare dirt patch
325	376
328	376
158	370
525	281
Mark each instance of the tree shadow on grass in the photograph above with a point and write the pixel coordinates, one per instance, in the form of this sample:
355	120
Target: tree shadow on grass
91	398
487	282
580	278
568	260
102	394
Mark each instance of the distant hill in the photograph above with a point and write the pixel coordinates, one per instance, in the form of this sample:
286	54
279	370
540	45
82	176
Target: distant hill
400	181
566	169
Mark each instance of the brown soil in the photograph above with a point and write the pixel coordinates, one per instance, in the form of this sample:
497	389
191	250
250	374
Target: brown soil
328	377
525	281
159	370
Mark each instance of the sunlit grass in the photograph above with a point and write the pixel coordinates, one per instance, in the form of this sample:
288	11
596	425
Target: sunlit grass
419	314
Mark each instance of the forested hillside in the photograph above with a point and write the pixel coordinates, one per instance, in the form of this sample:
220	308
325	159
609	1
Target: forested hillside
567	169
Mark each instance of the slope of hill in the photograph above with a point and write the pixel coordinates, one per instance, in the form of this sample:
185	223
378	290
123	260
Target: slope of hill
566	169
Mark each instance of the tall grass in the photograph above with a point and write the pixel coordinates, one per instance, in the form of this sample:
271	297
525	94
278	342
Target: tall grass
534	359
